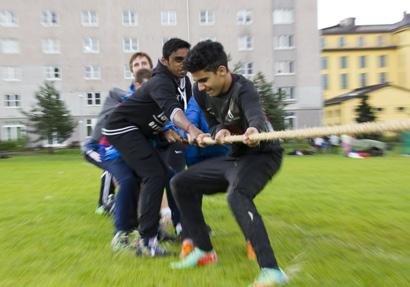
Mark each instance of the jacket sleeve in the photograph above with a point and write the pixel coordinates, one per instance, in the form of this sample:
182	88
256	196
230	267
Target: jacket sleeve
113	99
251	107
164	94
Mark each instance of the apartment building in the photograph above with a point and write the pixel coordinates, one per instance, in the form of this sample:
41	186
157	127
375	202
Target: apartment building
84	47
372	60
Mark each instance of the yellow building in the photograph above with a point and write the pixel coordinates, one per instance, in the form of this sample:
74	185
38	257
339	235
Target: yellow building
372	60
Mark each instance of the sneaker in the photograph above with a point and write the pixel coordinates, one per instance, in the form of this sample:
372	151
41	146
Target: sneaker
100	210
186	248
197	257
270	277
151	250
250	251
120	241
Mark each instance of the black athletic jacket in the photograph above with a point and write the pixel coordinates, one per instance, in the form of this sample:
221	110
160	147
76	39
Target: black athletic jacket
235	111
151	106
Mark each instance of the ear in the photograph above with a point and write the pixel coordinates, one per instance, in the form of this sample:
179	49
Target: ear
221	71
164	61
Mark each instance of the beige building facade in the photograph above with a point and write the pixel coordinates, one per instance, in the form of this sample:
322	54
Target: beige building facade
84	47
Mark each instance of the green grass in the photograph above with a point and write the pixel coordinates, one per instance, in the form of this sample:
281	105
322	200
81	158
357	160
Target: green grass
332	221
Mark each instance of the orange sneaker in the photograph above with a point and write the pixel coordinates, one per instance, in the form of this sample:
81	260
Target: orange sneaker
186	249
196	258
251	252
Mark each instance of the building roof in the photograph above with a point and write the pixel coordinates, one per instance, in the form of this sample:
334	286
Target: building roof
356	93
347	26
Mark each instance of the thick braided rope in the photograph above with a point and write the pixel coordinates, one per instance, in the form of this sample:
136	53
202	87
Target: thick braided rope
363	128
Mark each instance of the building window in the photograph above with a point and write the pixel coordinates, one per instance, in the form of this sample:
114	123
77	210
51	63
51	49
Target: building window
245	43
89	18
129	18
343	81
49	18
363	80
382	78
325	82
92	72
382	61
283	16
322	43
168	18
50	46
401	109
53	73
244	17
93	99
362	62
287	92
127	72
12	101
206	17
380	41
246	69
89	126
284	42
343	62
360	41
13	132
8	19
323	63
11	74
91	45
9	46
342	42
284	68
129	45
290	120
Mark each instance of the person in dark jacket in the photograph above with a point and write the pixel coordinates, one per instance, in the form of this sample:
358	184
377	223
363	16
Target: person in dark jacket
230	104
133	125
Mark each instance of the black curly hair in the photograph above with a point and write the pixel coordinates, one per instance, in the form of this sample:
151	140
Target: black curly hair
206	55
172	45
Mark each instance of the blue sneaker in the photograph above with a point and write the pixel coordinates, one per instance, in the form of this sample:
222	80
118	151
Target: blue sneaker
270	277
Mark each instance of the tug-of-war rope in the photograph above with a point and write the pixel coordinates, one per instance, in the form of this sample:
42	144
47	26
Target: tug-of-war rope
352	129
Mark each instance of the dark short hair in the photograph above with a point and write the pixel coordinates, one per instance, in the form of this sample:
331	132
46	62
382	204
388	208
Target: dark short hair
172	45
143	74
140	54
206	55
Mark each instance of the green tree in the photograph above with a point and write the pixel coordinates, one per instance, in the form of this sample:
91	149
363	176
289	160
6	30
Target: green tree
49	119
365	112
272	103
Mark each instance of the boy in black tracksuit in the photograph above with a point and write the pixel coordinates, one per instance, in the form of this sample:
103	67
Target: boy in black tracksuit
132	126
231	105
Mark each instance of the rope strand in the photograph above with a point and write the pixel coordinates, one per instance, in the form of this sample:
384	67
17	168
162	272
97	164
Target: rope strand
363	128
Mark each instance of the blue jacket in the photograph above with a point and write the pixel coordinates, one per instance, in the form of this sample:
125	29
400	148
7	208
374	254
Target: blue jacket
195	154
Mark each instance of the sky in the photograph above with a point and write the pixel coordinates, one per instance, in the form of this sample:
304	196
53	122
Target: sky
365	11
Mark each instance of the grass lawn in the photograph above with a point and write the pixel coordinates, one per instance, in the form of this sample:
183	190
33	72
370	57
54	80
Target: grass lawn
332	221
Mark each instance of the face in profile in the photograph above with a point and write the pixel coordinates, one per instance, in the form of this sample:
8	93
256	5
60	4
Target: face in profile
174	62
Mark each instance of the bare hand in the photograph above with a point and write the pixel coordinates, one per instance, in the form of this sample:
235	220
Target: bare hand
247	140
200	139
172	136
193	133
221	135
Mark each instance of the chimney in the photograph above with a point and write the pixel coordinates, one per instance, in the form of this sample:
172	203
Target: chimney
348	22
